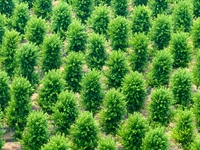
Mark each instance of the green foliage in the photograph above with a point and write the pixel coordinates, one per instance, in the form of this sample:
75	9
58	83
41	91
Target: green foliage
180	50
35	30
8	50
140	19
51	53
117	69
161	31
139	2
91	91
133	88
195	33
20	17
113	111
61	18
52	85
65	111
20	105
196	109
160	106
36	131
138	58
2	27
96	55
158	6
84	133
106	143
83	9
181	87
73	71
4	90
183	132
6	7
196	8
160	71
1	130
196	144
42	8
196	69
182	16
133	131
29	2
26	60
77	37
118	31
120	8
156	139
100	19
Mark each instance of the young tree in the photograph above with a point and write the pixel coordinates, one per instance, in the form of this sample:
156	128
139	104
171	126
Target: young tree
52	85
114	109
196	70
160	32
115	73
65	111
83	9
138	58
181	87
140	19
158	6
36	131
96	54
120	8
155	139
42	8
77	37
133	88
133	131
160	70
4	90
118	31
100	19
84	133
2	142
183	132
8	50
160	111
20	17
61	18
56	142
35	30
73	71
20	105
180	50
196	109
26	60
51	53
139	2
91	91
195	33
196	8
182	16
106	143
6	7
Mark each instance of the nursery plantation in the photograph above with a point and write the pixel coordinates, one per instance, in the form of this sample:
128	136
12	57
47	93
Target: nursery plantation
100	74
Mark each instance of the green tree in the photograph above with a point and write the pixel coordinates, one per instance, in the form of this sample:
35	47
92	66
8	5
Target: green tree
96	54
120	8
113	111
196	144
139	2
73	71
9	46
4	90
160	33
52	85
42	8
36	131
35	30
65	111
140	19
77	37
2	27
51	53
182	16
195	33
158	6
196	8
196	109
20	105
84	133
180	50
133	131
6	7
133	88
181	87
61	18
196	70
117	69
91	91
2	142
118	31
106	143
